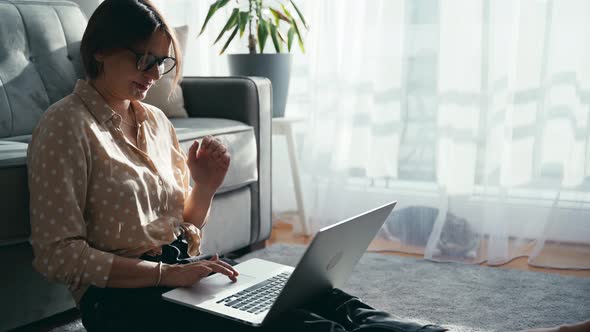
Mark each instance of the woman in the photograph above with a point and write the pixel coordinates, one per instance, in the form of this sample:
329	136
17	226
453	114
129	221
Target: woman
108	180
112	213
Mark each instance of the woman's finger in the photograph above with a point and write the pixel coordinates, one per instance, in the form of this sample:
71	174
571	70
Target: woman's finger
206	142
215	147
202	270
192	151
228	266
216	267
222	267
217	154
225	160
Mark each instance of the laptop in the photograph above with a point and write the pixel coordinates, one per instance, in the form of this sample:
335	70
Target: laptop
266	289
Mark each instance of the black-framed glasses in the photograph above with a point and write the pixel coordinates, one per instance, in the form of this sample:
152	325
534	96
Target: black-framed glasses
147	61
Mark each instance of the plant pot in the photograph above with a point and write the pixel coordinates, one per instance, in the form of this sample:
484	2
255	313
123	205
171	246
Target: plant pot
276	67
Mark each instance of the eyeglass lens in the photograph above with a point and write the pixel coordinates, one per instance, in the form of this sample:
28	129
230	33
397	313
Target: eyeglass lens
146	62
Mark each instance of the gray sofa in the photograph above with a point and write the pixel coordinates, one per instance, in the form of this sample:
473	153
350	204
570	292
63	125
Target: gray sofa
39	64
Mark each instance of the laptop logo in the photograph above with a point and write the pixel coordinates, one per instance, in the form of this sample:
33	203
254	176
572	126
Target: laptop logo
334	261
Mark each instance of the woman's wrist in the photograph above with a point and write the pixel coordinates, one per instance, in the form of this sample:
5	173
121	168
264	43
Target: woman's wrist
203	193
164	282
159	274
197	205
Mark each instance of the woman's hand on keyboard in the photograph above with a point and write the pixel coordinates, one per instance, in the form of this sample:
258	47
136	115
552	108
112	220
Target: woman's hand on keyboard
186	275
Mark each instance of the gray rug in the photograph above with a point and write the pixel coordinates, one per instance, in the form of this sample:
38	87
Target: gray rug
458	296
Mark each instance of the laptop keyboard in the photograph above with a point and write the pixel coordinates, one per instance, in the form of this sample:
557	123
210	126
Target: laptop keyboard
259	297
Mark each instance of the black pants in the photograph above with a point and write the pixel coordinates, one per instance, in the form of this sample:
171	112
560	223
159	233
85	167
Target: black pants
143	309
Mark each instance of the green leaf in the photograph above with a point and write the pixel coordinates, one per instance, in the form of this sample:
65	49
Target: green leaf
299	39
294	27
233	34
212	10
279	16
231	22
281	37
300	15
262	34
290	36
243	20
275	38
287	13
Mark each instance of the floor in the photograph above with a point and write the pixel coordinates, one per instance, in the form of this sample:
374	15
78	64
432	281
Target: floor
283	233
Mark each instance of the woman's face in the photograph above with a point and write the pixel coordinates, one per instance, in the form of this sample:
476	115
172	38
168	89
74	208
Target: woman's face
120	74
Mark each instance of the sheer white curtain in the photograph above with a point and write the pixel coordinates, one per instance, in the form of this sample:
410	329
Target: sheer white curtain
472	114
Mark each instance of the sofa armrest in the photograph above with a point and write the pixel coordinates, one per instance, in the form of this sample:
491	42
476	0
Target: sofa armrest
248	100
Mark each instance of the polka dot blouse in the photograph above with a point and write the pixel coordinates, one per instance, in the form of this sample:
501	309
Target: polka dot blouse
94	194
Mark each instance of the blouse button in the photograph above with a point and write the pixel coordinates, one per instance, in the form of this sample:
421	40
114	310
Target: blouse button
160	182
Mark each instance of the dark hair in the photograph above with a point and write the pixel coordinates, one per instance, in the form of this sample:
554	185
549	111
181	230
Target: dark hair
117	24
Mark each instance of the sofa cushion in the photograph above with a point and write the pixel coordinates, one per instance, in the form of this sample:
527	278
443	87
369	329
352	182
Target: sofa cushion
40	60
229	211
14	199
12	154
28	296
237	136
20	138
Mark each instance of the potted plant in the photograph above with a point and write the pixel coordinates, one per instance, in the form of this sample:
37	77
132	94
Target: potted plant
263	21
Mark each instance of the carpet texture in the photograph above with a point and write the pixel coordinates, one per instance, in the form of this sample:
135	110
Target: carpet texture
458	296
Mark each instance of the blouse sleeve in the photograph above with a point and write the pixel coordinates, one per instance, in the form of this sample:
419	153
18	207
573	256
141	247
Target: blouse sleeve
58	167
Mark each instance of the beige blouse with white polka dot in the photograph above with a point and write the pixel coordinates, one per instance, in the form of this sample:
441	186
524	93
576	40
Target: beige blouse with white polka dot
94	195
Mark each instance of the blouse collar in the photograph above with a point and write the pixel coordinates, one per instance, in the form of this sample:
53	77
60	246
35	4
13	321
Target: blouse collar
100	109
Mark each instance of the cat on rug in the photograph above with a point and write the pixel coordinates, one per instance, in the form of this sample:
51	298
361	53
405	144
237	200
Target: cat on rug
413	226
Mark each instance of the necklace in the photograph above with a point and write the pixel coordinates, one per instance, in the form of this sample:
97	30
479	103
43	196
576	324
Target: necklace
134	119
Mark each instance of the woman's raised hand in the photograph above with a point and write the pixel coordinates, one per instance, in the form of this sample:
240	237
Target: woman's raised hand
208	163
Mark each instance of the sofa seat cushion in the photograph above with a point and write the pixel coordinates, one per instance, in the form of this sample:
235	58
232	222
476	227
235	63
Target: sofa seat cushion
12	154
20	138
14	205
237	136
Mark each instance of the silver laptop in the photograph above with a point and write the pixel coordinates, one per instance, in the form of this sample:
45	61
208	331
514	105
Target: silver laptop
265	289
